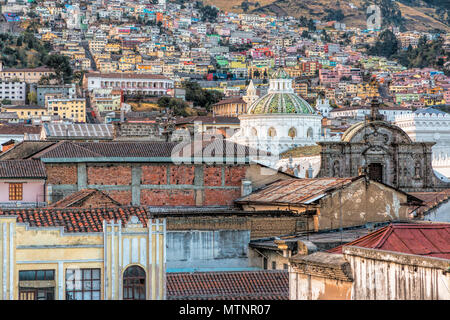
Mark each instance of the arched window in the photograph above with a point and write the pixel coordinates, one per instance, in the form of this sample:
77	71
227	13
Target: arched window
292	133
134	283
272	132
254	132
309	133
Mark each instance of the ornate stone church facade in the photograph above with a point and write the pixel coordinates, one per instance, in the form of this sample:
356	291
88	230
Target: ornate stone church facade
384	152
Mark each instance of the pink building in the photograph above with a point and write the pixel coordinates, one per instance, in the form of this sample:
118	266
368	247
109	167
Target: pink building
22	183
447	96
327	76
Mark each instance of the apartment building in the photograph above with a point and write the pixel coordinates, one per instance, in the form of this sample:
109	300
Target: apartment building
15	91
151	84
68	108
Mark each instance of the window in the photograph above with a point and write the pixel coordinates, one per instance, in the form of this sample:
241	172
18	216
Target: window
134	283
285	266
83	284
15	191
292	133
272	132
37	285
274	265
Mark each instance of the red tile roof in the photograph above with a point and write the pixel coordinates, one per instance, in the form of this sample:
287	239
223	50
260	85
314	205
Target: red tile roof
125	76
154	149
76	219
236	285
425	239
19	129
208	120
430	200
33	169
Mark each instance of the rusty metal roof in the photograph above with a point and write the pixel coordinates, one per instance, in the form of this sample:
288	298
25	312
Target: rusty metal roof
425	239
295	191
431	200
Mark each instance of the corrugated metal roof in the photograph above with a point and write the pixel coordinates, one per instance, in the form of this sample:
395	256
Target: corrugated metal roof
421	239
295	191
89	130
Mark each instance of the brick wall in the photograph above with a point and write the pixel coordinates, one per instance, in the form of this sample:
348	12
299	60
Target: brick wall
149	183
212	176
167	197
182	174
94	201
221	196
61	173
109	174
234	175
154	174
124	197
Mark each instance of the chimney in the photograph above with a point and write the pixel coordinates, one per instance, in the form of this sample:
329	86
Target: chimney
246	187
122	115
310	172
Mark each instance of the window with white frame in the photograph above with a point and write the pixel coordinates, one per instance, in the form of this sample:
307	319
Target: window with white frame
83	284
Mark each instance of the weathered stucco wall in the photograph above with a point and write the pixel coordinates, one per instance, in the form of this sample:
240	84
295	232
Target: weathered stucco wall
361	204
308	287
222	249
385	275
319	276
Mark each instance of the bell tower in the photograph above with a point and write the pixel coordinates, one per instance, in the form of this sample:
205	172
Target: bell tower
251	95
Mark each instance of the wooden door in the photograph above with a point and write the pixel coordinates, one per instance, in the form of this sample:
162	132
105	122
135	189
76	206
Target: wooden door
376	172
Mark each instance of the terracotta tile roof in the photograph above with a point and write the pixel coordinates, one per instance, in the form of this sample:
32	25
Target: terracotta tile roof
294	191
154	149
22	169
74	199
208	120
230	100
125	76
236	285
425	239
19	129
76	219
430	200
25	149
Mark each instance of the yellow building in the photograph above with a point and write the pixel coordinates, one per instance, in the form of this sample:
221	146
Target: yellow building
82	254
231	107
30	75
97	45
49	36
106	66
68	108
26	112
367	90
112	47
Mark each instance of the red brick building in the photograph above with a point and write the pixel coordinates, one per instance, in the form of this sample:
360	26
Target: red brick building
144	173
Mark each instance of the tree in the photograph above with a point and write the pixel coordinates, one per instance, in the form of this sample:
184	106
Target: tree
178	107
61	65
209	13
245	5
32	97
201	97
387	45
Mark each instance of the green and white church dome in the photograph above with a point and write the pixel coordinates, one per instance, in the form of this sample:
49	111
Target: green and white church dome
280	98
279	120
